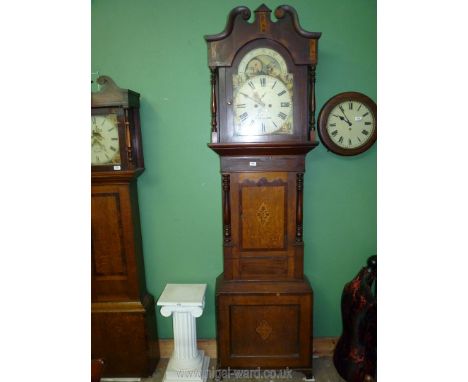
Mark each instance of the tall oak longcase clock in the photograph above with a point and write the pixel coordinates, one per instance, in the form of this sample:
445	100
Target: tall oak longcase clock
123	324
262	127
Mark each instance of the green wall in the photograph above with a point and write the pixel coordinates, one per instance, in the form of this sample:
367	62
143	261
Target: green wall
156	48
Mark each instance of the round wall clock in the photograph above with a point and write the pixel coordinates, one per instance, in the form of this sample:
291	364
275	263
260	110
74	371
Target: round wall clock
347	123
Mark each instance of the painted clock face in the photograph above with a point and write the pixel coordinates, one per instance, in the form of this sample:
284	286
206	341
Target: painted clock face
348	123
262	95
104	140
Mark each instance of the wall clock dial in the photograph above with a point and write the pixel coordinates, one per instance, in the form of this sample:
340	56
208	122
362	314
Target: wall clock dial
104	140
348	123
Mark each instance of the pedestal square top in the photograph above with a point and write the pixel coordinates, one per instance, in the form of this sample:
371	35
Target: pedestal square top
183	294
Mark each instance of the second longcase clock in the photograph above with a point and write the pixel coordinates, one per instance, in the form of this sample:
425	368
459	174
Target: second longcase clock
263	125
123	323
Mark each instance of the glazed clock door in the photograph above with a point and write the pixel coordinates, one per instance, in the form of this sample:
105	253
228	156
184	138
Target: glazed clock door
105	140
264	96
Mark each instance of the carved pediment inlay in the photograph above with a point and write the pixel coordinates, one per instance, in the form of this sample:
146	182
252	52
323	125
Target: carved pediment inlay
264	329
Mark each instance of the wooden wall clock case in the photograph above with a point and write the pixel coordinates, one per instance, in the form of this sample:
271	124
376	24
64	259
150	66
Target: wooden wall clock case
123	322
263	126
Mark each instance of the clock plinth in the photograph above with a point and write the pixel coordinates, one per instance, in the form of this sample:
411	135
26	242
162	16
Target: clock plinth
262	127
124	334
265	324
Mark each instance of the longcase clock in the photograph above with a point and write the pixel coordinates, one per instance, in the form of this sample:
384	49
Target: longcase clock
262	127
123	320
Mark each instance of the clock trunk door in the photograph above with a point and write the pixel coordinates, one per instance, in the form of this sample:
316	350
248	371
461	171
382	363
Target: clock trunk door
263	233
113	246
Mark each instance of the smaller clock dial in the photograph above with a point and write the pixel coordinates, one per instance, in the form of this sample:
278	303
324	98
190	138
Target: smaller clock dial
350	124
104	140
262	61
262	105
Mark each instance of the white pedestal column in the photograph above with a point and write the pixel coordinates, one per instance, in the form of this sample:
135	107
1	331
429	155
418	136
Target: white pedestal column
185	302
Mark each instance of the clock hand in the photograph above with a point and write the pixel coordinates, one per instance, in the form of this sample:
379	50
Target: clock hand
257	100
346	120
96	141
97	136
342	118
253	99
246	95
96	131
260	102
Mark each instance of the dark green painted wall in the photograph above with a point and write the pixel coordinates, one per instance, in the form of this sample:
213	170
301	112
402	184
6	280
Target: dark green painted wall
156	48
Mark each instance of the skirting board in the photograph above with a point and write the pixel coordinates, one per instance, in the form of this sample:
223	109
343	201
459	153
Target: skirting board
323	347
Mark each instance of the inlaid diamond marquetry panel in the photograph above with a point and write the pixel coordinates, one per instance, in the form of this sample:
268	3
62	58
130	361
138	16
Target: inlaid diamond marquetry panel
274	329
263	214
264	329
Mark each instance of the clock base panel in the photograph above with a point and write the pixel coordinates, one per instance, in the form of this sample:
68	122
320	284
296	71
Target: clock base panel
125	337
264	324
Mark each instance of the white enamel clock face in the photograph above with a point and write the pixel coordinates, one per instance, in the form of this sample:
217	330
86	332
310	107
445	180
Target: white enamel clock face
350	124
262	95
262	105
104	140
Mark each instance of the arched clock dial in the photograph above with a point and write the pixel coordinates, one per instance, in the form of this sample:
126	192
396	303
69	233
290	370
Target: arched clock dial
348	123
104	140
262	94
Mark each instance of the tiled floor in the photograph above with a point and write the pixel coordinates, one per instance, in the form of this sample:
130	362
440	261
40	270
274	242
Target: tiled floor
324	371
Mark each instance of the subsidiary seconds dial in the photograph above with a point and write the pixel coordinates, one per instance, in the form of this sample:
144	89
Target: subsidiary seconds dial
262	106
348	123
